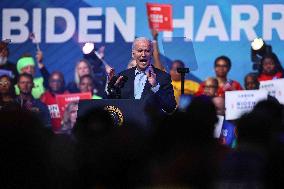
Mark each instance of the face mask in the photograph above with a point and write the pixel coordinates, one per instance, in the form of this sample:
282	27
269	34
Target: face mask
3	60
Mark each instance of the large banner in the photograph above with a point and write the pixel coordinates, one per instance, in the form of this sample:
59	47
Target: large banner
215	27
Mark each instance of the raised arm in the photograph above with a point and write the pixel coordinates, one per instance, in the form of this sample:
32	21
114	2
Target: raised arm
156	53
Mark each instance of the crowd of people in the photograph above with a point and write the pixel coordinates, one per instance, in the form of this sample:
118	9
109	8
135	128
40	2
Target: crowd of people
178	151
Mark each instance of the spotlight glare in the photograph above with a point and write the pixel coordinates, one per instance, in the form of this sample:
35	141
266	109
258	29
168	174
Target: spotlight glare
88	48
257	44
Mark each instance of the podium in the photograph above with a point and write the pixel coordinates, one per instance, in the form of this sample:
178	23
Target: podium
123	111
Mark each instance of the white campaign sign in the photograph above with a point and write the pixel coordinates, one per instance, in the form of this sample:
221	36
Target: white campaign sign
218	126
240	102
274	88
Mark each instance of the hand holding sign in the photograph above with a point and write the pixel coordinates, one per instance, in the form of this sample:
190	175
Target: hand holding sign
160	16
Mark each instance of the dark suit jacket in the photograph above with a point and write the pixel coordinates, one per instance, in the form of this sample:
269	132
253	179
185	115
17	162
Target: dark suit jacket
163	99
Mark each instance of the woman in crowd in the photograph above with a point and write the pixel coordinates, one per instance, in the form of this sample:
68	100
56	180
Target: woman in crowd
270	68
86	85
222	66
7	94
82	68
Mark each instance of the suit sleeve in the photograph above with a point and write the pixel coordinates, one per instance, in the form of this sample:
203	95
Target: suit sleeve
165	94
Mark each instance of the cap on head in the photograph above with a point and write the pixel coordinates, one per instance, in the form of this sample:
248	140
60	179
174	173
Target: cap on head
23	62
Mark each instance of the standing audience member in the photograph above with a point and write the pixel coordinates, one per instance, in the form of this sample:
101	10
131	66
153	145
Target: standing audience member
270	68
82	68
28	102
26	64
190	87
222	66
86	85
7	94
56	87
251	82
5	65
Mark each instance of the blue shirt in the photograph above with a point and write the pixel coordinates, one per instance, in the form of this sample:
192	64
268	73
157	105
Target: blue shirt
139	84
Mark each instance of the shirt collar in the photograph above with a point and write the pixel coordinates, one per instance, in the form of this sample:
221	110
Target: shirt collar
139	72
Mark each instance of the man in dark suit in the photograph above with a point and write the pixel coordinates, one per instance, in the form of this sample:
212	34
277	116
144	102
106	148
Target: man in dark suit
145	82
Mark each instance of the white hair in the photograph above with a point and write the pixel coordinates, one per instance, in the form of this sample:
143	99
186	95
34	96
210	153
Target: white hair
141	39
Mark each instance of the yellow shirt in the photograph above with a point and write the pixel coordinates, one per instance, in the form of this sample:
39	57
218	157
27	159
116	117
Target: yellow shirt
190	88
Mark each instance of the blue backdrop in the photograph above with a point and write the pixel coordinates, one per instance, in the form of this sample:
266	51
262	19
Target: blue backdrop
216	27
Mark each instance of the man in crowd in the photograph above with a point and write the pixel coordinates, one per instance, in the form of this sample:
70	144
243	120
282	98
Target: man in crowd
146	82
28	102
26	64
190	87
251	82
210	87
56	87
6	67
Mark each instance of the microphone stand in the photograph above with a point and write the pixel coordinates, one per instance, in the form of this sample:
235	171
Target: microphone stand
182	72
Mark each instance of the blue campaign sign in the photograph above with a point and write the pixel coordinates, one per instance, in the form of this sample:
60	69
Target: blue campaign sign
216	27
180	48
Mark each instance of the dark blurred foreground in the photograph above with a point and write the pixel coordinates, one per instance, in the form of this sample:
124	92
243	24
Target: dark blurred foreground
179	151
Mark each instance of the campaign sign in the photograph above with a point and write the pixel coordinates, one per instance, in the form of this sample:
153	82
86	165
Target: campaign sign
218	126
274	88
160	16
240	102
64	99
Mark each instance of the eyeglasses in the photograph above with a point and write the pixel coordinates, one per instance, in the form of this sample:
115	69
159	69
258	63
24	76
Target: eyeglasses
55	81
210	87
221	66
3	83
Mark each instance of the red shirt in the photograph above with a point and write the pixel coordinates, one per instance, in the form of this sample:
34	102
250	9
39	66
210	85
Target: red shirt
264	77
50	101
231	85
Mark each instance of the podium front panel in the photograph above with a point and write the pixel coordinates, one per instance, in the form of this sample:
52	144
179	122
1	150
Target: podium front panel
123	111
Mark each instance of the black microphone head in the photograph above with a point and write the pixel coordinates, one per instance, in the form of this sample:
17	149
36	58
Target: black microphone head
124	78
113	80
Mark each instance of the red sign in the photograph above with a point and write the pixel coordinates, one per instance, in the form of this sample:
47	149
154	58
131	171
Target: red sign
64	99
160	16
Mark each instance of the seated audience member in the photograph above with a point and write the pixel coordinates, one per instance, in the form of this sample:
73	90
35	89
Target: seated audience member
26	64
69	118
222	66
228	134
86	85
28	102
56	86
190	87
209	87
5	65
270	68
251	82
7	94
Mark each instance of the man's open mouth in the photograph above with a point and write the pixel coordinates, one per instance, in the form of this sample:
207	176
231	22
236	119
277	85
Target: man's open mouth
143	60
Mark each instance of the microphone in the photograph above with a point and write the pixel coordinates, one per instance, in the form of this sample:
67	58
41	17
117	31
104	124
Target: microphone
115	90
